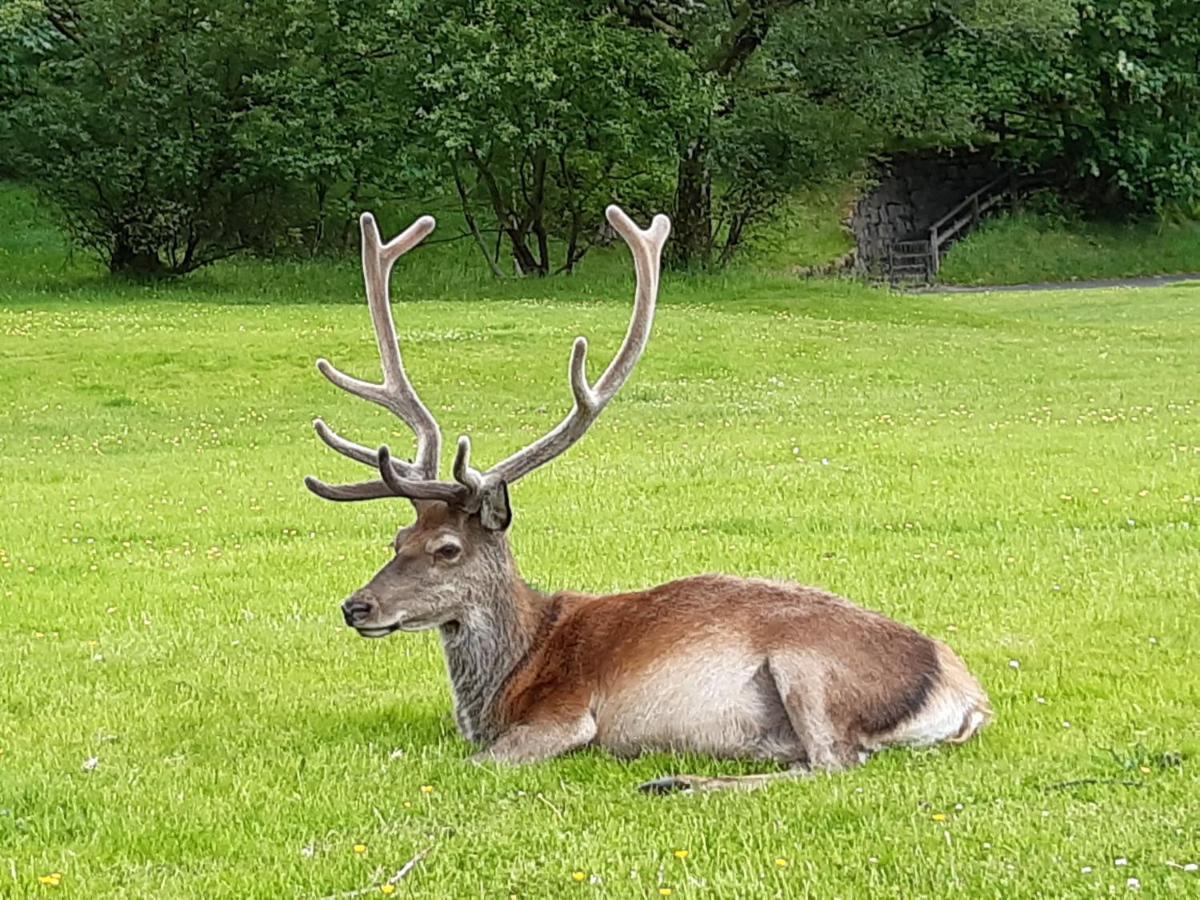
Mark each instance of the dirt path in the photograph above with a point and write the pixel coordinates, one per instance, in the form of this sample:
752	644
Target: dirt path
1099	283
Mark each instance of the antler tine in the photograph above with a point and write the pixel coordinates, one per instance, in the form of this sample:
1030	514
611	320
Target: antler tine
396	393
419	489
358	452
363	490
646	246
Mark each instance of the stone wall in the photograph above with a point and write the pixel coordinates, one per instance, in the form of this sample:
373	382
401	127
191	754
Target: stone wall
911	193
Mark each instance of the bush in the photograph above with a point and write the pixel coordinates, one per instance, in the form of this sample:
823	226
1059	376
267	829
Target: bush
540	114
172	135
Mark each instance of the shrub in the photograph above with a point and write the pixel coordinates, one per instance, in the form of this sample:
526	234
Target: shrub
172	135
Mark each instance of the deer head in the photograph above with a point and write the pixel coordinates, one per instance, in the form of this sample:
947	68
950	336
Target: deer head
453	564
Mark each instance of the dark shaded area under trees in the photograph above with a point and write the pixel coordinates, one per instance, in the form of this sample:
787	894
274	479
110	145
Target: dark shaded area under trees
169	136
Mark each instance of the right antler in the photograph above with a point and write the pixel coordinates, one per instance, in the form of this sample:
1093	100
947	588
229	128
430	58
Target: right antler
419	480
590	400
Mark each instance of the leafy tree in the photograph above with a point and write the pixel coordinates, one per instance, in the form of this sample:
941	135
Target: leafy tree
23	37
171	135
129	129
801	91
541	113
1117	107
335	116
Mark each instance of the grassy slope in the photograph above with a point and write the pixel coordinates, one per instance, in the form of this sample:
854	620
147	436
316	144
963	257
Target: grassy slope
1026	248
806	233
1017	474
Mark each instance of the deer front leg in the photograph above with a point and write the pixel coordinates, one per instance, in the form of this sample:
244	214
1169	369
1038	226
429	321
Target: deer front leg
539	739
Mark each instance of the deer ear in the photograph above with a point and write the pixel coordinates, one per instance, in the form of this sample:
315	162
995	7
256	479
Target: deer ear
495	511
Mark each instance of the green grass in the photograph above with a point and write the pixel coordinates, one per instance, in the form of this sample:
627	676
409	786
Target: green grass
1026	248
807	233
1017	474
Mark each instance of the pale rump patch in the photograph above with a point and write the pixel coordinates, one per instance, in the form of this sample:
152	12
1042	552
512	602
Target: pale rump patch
955	711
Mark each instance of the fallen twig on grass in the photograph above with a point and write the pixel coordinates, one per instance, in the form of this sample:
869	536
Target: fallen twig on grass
400	875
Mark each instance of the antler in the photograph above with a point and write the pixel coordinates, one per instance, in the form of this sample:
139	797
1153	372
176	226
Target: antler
590	400
419	480
396	393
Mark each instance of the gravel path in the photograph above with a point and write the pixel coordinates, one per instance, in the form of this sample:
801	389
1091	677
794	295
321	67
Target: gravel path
1099	283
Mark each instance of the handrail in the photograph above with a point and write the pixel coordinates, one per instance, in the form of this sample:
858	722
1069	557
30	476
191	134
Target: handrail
937	237
969	199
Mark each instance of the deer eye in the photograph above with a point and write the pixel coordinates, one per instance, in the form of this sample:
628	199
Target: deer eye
448	552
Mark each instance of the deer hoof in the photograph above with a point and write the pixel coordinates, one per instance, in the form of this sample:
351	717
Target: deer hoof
669	784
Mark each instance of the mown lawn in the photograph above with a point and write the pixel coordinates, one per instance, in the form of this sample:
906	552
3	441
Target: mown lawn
182	713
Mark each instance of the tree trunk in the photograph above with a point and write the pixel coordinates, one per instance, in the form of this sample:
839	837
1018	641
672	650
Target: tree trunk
691	244
473	226
523	257
125	260
733	237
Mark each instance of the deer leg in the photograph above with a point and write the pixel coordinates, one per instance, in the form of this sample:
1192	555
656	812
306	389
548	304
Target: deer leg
821	746
534	741
825	745
700	783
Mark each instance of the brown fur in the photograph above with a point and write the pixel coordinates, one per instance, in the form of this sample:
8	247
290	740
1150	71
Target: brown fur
880	671
727	666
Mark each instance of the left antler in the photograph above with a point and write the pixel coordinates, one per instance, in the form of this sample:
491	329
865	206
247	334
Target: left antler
396	393
590	400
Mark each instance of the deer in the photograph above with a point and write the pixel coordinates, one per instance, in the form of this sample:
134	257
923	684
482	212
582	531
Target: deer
731	668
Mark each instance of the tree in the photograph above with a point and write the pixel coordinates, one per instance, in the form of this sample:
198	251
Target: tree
172	135
542	113
803	91
336	115
1117	107
24	36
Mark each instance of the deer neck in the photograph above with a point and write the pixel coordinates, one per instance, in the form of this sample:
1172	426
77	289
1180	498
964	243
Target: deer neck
487	646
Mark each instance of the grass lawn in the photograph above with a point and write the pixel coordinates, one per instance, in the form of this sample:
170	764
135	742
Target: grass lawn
182	713
1027	248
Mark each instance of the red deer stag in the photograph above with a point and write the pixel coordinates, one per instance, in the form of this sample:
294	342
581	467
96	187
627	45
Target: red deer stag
732	667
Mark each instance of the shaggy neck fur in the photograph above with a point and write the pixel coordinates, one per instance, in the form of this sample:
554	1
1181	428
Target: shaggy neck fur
482	650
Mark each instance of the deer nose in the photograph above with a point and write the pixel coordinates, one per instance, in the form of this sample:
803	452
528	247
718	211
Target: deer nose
356	609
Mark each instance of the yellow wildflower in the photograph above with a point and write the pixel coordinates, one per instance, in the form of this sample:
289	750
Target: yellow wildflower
939	817
51	880
1145	770
360	849
665	891
427	789
579	876
780	862
387	889
682	854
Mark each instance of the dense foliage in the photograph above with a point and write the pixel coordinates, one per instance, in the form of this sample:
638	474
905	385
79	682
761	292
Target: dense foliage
1119	105
541	113
170	135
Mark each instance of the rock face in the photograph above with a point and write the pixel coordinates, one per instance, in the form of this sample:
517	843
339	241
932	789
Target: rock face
912	192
